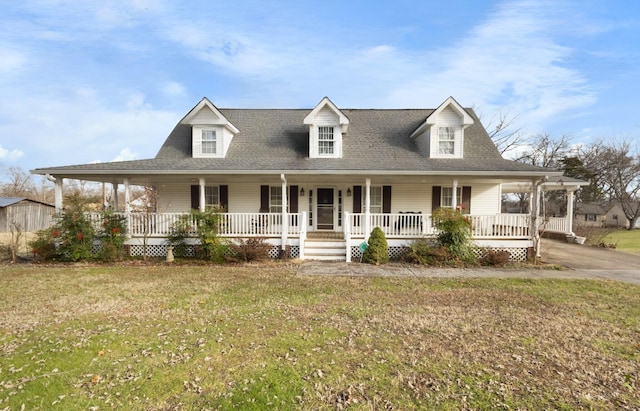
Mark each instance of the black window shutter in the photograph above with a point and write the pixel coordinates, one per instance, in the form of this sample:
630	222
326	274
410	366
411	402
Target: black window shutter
293	199
386	199
264	199
435	198
357	199
466	199
195	197
224	197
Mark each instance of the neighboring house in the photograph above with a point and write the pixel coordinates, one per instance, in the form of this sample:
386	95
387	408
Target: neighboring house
591	214
615	217
24	214
316	181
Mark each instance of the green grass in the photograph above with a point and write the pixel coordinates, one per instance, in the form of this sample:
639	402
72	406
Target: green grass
625	240
259	337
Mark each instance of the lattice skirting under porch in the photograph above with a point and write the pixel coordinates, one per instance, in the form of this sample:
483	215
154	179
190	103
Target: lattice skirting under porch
515	254
160	250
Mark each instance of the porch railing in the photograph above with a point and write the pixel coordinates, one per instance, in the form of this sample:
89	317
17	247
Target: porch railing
230	224
411	225
554	225
398	225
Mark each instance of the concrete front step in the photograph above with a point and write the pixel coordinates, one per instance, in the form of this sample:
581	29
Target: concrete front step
325	249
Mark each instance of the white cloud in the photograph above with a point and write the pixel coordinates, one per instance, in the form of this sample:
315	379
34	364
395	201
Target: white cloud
509	61
11	60
10	155
173	89
125	155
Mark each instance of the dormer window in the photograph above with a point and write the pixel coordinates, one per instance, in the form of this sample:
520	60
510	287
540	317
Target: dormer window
446	140
326	142
327	127
211	132
209	142
442	133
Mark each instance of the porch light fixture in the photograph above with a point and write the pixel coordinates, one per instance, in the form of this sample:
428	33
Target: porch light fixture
302	192
349	192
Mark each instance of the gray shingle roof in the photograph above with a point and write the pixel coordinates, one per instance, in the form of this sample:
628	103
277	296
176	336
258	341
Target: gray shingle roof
276	140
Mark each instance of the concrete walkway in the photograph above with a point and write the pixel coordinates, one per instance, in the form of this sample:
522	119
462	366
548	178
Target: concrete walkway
578	261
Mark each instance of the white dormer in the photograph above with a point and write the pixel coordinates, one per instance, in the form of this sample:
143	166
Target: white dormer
442	133
327	125
211	132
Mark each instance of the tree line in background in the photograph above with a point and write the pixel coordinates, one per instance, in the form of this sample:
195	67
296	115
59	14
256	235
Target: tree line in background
612	168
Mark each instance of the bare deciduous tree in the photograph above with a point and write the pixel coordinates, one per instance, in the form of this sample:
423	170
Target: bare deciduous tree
546	151
505	134
616	165
16	183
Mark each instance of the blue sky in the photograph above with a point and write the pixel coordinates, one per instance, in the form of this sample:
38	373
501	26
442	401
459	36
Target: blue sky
86	81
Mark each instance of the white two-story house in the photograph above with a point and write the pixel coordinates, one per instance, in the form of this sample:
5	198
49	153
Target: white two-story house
315	182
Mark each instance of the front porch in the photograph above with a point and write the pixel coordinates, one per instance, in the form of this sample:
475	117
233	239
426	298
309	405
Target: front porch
291	231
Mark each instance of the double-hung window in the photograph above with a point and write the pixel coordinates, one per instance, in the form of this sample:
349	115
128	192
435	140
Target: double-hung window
446	140
275	199
209	142
211	196
375	204
326	141
446	200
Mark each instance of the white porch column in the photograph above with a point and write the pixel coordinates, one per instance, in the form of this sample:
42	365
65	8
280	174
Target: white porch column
570	210
127	197
347	233
454	195
367	210
536	221
58	194
303	232
115	196
285	218
202	199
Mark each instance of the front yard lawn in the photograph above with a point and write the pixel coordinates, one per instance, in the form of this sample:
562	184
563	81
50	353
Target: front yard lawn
260	337
625	240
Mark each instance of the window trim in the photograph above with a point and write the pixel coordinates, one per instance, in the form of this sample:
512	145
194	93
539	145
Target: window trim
458	196
208	193
446	134
326	141
273	196
211	142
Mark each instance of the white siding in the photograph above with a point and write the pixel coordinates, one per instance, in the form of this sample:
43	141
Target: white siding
423	142
325	117
410	197
245	197
174	198
448	118
205	116
485	199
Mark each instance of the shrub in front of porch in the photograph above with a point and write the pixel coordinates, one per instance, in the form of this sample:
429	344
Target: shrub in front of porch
251	249
112	236
454	234
203	227
377	251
